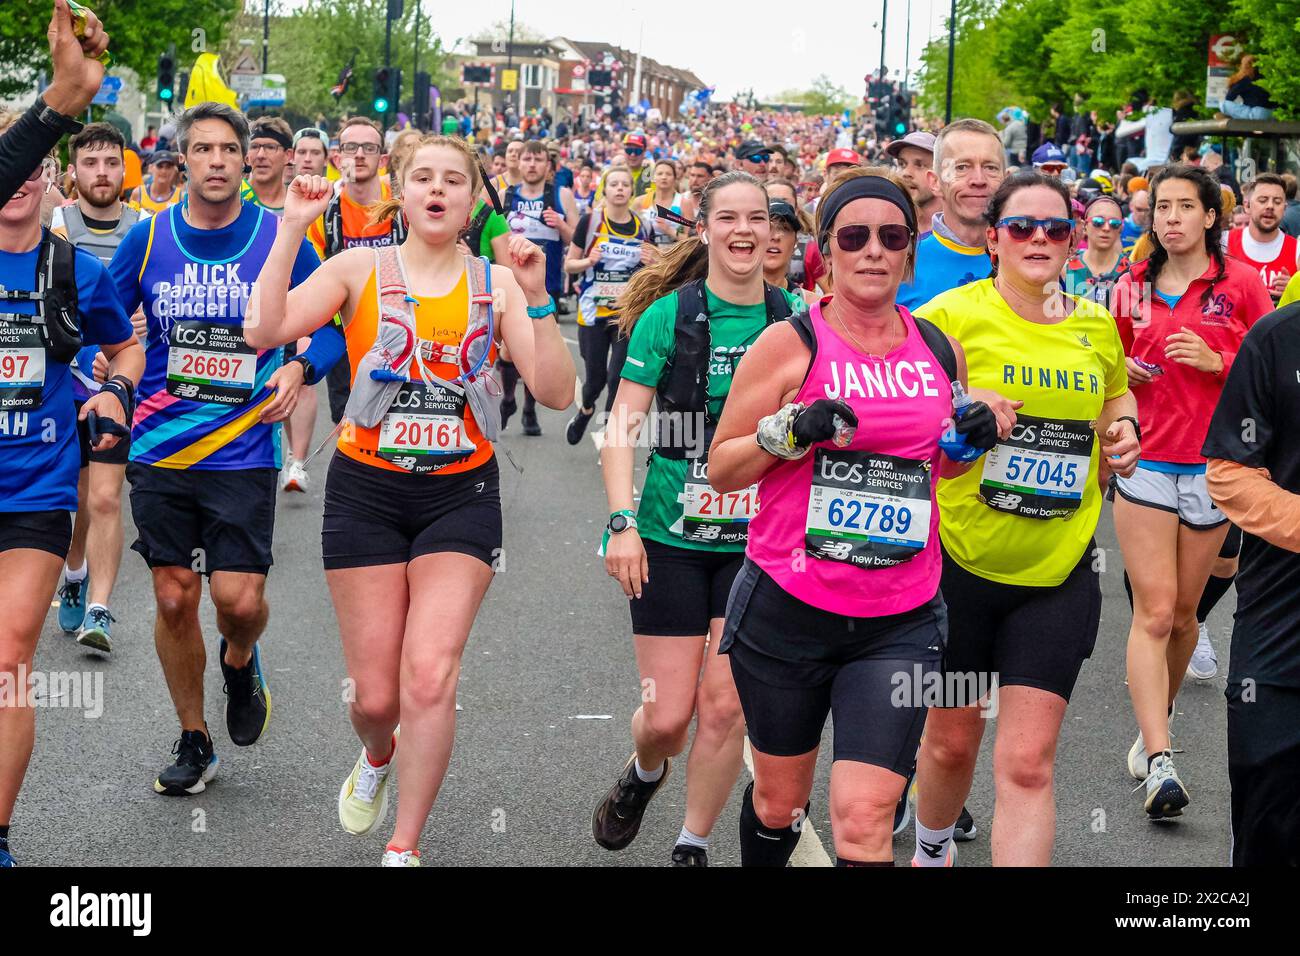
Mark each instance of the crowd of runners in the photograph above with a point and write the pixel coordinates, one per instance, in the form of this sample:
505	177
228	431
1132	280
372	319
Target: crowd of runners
949	364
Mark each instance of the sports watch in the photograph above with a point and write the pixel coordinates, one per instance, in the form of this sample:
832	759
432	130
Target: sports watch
620	521
54	119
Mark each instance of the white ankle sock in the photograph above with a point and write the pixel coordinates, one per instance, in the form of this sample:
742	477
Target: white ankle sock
73	577
648	776
687	838
932	845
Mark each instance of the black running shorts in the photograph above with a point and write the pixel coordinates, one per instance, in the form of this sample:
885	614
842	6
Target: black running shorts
38	530
1027	636
794	664
374	516
687	589
203	520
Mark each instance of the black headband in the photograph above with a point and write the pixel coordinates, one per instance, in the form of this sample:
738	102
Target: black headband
863	187
270	132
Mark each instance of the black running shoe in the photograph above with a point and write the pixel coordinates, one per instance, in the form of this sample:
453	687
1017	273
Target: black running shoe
196	765
529	422
617	817
684	855
965	830
508	407
248	698
577	426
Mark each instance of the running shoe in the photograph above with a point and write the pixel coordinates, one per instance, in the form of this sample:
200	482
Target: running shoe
577	426
94	634
952	854
295	478
508	407
528	421
7	860
903	812
1204	663
363	798
248	698
196	765
1137	754
1166	795
965	830
72	604
403	858
684	855
617	817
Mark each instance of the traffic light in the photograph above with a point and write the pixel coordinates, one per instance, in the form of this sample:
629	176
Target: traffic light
902	113
383	89
166	76
420	96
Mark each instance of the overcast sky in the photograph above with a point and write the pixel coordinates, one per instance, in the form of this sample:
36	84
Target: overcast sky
731	45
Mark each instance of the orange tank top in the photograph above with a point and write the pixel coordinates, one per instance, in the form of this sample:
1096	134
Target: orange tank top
426	430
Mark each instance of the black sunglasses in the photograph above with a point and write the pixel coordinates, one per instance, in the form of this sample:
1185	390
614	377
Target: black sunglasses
1022	228
893	236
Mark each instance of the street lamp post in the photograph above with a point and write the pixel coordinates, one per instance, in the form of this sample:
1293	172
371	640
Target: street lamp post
266	34
952	40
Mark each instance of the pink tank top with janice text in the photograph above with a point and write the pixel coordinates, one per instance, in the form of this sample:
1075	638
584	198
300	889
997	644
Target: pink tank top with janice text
854	530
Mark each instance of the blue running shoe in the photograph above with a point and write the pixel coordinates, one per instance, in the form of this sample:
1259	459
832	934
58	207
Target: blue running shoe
248	698
94	633
6	858
72	604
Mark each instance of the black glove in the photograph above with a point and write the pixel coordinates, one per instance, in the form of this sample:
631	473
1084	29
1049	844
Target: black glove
97	427
979	426
816	422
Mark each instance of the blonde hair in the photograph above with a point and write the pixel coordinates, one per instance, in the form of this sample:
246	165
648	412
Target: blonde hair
388	208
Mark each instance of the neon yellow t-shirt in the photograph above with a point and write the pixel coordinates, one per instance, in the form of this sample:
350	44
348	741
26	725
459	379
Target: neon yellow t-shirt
994	520
1292	291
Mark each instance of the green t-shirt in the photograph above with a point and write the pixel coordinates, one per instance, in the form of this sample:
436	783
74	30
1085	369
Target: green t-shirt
732	330
450	127
496	225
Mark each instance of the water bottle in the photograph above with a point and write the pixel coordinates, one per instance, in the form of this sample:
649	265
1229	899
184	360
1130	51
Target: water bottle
952	442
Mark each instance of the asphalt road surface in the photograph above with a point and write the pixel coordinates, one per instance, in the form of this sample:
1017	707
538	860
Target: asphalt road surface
548	685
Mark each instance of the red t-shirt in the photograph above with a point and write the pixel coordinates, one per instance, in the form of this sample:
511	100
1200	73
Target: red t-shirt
1176	407
814	266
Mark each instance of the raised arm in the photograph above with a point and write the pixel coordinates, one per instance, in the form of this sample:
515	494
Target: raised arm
277	315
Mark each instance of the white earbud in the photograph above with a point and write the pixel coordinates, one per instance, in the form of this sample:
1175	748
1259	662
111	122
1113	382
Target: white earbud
704	239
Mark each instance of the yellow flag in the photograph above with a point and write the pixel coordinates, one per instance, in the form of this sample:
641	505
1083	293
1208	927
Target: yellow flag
207	85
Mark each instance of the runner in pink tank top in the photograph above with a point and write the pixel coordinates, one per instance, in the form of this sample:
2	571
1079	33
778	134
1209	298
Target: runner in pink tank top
865	515
841	416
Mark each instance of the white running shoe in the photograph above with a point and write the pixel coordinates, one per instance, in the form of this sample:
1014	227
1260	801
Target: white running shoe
1166	795
1137	754
405	858
1204	663
363	798
295	478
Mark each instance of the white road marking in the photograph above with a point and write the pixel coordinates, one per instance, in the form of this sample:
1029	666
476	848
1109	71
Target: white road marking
809	851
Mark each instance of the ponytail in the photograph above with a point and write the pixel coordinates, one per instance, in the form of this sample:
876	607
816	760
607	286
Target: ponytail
684	262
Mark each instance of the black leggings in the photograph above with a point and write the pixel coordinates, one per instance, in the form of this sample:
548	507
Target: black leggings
509	380
604	351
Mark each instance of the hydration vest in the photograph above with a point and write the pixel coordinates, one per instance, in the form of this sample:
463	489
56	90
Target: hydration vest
683	390
335	242
55	296
798	270
102	245
935	340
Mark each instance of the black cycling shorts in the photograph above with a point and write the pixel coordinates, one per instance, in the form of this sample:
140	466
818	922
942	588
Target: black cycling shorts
688	588
119	454
794	664
1026	636
38	530
374	516
203	520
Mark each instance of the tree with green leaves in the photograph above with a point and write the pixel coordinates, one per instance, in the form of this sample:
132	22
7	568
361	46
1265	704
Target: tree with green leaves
824	98
140	30
314	41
